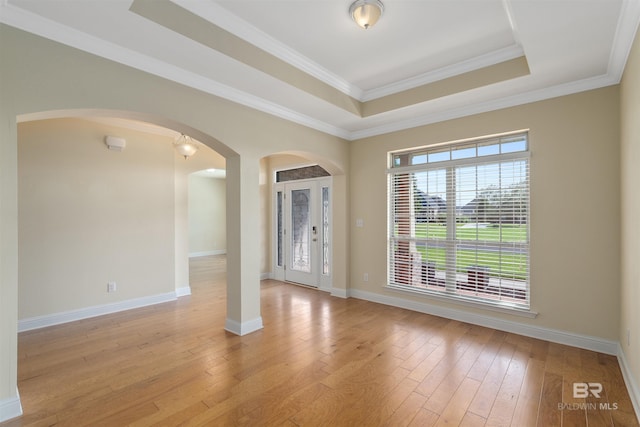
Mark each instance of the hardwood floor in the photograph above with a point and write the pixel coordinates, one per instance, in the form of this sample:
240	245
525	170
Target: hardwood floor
320	360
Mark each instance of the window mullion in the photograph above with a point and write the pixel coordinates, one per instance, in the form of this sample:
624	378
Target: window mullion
450	254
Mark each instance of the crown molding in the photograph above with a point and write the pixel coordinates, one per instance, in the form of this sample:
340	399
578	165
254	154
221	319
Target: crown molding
35	24
487	106
626	29
226	20
508	9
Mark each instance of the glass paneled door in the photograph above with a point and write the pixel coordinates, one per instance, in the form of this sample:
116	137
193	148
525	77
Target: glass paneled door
302	232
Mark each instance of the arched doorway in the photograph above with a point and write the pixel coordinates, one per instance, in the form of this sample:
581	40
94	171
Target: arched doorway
100	230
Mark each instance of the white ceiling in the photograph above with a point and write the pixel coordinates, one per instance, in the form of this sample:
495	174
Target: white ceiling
569	45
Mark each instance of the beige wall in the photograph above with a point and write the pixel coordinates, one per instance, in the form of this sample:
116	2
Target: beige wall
574	207
89	215
630	223
120	216
207	216
42	76
265	218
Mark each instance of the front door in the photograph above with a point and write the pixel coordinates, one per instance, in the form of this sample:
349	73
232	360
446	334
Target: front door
302	231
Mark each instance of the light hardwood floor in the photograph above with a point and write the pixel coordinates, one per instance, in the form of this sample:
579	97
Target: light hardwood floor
320	360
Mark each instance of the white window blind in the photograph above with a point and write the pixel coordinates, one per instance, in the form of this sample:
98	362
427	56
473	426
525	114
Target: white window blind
459	220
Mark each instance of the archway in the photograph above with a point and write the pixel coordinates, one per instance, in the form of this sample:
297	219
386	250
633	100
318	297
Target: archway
99	215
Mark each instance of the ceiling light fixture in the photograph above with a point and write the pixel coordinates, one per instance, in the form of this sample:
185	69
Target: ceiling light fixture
185	146
366	13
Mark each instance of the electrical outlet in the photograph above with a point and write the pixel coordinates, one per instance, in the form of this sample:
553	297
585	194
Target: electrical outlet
111	287
366	277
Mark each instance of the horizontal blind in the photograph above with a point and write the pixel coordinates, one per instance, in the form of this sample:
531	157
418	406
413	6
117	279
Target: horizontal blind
461	228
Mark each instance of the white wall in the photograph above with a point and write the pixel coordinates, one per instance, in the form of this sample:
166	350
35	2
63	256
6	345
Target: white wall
207	216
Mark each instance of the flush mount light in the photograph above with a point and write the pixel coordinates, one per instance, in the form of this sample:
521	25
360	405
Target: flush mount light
185	146
366	13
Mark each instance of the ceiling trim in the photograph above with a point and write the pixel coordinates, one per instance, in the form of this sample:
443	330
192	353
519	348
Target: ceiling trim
512	22
176	19
35	24
628	23
460	83
226	20
488	106
472	64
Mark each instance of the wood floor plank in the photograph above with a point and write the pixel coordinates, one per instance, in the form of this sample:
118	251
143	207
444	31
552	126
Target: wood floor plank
456	408
424	418
616	393
407	411
550	415
507	396
442	395
483	402
528	405
320	360
472	420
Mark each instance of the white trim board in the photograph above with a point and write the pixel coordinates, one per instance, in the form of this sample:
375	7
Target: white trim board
632	387
207	253
243	328
183	291
553	335
94	311
340	293
10	408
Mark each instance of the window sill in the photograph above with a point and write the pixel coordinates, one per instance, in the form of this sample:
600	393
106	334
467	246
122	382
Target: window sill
469	302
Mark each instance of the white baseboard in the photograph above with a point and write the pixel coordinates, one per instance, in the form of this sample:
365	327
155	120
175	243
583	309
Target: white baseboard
243	328
10	408
207	253
340	293
267	276
87	312
183	291
632	386
561	337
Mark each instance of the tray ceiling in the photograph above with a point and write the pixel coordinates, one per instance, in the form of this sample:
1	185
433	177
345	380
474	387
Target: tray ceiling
306	61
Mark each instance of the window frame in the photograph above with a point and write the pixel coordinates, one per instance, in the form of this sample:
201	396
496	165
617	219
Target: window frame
400	162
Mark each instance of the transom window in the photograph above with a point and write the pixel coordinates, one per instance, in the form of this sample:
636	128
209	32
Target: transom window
459	220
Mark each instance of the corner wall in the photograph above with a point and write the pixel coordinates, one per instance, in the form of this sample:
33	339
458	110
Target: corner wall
629	333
